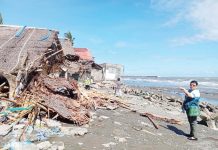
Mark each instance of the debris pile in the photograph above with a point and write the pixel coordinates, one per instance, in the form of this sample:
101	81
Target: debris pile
54	98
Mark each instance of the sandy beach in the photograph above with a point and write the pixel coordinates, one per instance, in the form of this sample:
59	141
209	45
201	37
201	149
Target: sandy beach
127	130
123	128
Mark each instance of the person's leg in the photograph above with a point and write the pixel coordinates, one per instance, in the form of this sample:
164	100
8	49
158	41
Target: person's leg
193	123
190	126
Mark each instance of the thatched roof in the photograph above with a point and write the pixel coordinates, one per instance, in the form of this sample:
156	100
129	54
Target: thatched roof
23	44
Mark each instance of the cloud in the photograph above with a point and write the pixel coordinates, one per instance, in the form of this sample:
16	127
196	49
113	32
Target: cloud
174	20
166	5
202	14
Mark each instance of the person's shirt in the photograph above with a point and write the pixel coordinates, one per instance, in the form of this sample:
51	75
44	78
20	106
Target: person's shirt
194	100
87	82
195	93
118	83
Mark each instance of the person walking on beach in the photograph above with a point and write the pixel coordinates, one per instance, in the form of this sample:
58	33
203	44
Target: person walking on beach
88	82
118	91
191	106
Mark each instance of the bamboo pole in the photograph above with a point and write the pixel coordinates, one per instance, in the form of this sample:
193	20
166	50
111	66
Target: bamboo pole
8	100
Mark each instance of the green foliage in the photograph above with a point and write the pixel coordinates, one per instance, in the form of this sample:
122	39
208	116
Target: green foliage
1	19
69	36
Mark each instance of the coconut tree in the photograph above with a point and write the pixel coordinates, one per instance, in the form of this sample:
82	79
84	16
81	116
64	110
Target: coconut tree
69	36
1	19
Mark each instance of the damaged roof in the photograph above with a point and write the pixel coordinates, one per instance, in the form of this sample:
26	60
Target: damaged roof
84	53
21	43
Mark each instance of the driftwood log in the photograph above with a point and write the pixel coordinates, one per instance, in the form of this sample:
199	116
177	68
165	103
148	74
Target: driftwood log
148	116
160	118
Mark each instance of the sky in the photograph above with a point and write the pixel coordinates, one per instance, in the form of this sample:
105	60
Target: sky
149	37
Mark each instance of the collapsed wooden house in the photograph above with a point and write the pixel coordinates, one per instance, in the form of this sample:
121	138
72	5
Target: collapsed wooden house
31	62
86	61
29	59
24	51
79	63
71	66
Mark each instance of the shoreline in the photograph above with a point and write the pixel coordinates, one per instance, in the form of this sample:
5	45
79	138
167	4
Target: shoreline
210	97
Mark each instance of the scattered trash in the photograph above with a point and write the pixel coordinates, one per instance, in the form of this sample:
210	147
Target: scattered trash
80	143
117	123
5	129
52	123
57	146
20	146
74	131
109	144
119	139
148	132
44	145
41	136
137	128
103	117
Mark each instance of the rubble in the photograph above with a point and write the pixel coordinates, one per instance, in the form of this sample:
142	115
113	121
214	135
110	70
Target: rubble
74	131
44	145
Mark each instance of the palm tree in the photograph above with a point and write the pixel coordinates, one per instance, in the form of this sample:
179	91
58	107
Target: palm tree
1	19
69	36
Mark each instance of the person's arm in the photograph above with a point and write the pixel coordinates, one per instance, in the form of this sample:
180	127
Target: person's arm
186	92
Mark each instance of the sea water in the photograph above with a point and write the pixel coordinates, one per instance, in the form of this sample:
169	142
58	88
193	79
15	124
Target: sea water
206	84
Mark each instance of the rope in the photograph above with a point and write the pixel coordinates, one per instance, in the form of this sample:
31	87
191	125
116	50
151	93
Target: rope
7	41
20	31
23	48
10	38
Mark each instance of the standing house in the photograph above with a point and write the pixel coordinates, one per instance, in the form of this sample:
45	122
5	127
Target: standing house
112	71
26	51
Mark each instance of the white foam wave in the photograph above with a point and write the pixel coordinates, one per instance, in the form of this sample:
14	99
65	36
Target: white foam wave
174	82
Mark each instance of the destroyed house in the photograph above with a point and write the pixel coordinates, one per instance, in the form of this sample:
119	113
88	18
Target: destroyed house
112	71
30	59
89	68
25	51
71	65
79	63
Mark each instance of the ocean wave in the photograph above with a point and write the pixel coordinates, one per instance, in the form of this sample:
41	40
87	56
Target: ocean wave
171	82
